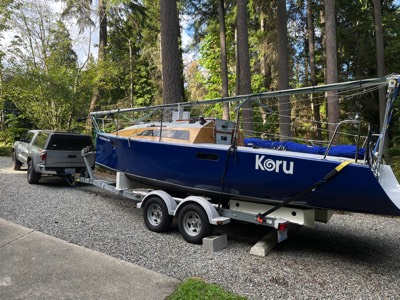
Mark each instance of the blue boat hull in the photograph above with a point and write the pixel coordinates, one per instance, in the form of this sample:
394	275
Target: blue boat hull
258	175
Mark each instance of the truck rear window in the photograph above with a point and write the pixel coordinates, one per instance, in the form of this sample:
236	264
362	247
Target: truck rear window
40	140
69	142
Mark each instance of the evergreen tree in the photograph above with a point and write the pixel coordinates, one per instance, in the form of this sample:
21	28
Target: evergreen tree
380	57
243	61
171	61
331	64
224	62
283	69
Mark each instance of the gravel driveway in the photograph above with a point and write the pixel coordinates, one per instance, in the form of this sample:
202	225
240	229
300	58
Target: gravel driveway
354	256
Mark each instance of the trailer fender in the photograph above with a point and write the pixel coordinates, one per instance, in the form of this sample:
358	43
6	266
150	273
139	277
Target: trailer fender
213	216
167	198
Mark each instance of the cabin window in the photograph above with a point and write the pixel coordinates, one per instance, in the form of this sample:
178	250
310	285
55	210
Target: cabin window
167	133
207	156
147	133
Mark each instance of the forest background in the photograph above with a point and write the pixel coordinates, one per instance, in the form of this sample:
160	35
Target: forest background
236	47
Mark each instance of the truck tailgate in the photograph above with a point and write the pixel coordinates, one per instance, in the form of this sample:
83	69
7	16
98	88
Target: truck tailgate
64	159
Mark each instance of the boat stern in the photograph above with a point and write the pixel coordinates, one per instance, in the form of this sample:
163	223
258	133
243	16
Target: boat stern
390	185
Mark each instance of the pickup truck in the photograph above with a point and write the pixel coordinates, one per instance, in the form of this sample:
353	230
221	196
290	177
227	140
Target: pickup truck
51	153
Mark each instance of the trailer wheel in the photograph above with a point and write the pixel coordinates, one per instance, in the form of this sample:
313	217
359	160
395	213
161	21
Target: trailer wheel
193	223
156	216
32	176
15	162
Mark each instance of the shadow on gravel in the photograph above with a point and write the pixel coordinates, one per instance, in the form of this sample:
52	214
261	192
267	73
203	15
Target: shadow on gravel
54	182
328	241
242	232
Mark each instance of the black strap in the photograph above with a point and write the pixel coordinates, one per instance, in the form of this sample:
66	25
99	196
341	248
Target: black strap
231	150
327	177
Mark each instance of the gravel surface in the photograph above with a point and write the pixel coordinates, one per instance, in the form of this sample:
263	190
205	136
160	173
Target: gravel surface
354	256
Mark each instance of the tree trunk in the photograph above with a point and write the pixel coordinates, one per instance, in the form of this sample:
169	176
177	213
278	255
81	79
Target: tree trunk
101	57
283	71
237	67
171	70
265	67
244	64
2	115
224	63
331	64
103	30
313	77
380	57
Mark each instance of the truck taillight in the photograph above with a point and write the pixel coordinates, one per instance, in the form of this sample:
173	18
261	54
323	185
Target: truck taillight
43	155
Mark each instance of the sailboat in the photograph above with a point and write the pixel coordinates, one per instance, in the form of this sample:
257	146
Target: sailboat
213	158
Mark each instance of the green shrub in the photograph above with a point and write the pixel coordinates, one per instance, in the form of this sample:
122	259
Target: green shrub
6	143
5	149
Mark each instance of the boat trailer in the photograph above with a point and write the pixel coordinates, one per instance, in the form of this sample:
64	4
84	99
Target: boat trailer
195	215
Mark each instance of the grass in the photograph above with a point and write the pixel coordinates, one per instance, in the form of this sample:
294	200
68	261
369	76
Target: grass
197	289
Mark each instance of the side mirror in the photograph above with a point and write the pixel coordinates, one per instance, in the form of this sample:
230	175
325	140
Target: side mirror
17	138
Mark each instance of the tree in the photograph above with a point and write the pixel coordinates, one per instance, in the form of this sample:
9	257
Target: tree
5	11
37	66
41	74
313	76
130	36
283	71
244	77
215	44
224	63
82	10
380	57
171	61
101	55
331	64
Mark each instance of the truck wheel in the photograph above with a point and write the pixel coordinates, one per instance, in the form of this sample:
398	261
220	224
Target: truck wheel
15	162
193	223
32	176
156	216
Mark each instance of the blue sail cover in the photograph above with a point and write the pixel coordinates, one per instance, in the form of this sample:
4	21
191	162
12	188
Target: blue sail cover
339	150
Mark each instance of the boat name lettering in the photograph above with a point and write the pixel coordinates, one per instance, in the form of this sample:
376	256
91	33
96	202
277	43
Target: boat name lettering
104	138
271	165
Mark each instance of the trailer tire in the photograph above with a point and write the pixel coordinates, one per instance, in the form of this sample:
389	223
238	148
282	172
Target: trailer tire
155	214
193	223
15	162
32	176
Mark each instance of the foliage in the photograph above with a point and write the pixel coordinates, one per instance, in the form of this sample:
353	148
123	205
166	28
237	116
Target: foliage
5	143
6	7
196	289
137	85
395	164
42	77
81	10
16	125
50	86
5	148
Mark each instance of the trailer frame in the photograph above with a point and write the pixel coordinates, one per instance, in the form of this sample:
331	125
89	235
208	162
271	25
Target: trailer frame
196	214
